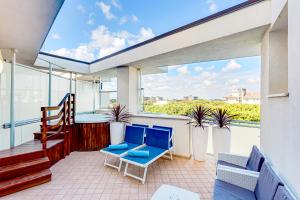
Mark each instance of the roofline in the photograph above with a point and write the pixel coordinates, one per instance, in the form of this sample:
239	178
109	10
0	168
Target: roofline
174	31
65	58
50	27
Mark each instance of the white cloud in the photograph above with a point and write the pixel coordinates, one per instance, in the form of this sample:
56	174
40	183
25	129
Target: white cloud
198	69
231	66
183	70
105	8
212	6
55	36
116	4
81	8
209	75
252	80
90	21
173	67
144	34
233	81
123	20
82	52
104	42
134	18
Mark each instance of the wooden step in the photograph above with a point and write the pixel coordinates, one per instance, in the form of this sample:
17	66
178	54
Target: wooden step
21	168
14	157
24	182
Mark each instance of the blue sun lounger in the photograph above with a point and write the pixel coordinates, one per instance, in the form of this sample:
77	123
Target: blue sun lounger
170	129
157	143
134	138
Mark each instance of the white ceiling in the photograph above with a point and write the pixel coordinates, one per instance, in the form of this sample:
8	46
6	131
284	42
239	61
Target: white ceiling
25	25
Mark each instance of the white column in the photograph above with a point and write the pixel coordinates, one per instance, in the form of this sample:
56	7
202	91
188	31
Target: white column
128	88
71	74
12	100
50	85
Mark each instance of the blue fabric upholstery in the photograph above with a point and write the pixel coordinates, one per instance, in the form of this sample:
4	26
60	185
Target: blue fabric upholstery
256	160
157	138
267	183
141	125
121	151
134	134
283	194
166	128
118	146
221	162
227	191
138	153
153	153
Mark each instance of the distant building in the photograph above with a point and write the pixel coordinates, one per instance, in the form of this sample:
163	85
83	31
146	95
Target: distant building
190	97
242	96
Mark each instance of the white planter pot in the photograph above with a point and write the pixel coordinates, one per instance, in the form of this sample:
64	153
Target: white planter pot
116	132
221	140
199	142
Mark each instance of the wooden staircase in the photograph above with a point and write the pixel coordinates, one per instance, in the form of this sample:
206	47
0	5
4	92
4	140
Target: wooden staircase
24	170
28	165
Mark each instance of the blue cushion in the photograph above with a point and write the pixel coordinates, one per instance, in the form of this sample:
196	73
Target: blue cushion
165	128
153	154
117	152
267	183
157	138
221	162
141	125
118	146
134	134
138	153
256	160
283	194
227	191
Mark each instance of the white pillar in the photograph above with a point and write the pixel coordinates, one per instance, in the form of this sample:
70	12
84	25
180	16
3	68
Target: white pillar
71	74
50	85
12	100
94	96
128	88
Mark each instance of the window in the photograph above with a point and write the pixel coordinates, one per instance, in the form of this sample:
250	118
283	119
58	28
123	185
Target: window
108	92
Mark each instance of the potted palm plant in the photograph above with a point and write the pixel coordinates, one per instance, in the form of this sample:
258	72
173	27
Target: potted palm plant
199	132
221	131
120	116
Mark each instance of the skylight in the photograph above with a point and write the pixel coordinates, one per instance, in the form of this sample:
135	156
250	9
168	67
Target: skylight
88	30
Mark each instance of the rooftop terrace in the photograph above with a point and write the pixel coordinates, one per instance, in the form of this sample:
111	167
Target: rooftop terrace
83	176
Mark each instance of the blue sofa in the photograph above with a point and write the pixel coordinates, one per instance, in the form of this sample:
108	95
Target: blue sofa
237	184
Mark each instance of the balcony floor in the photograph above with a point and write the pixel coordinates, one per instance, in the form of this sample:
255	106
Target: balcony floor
83	176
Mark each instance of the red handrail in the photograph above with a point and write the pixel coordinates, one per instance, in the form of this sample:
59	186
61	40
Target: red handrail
64	118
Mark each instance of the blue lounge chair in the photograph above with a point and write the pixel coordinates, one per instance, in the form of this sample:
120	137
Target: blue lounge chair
170	129
141	125
157	144
252	163
134	138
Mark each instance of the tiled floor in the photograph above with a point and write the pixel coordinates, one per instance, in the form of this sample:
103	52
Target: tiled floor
82	176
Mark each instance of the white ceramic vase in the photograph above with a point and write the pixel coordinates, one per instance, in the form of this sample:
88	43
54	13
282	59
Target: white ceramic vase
199	142
221	140
116	132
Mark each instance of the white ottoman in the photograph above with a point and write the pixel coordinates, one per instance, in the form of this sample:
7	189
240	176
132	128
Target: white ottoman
168	192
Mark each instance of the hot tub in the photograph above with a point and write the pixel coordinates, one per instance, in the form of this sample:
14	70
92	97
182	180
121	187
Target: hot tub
91	132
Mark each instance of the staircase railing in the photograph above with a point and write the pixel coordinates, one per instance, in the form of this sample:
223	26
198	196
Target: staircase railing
59	123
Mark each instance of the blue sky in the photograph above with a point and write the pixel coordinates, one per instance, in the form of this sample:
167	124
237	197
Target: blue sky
90	29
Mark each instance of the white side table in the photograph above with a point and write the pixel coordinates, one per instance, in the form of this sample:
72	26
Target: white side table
168	192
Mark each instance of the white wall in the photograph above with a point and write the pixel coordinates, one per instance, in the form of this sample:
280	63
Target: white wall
280	138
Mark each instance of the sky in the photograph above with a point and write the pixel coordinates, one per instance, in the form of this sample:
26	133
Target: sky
91	29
